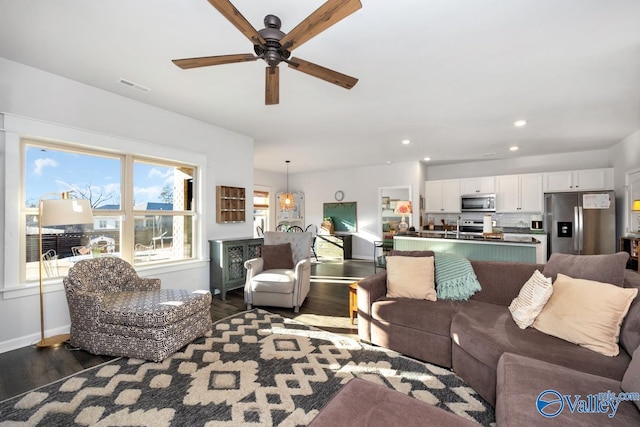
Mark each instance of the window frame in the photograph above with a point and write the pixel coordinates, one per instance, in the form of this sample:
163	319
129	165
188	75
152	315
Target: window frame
126	214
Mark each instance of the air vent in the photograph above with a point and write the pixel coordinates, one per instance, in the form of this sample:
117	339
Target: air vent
133	85
488	154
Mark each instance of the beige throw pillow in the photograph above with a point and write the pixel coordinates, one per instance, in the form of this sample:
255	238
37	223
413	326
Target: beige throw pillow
411	277
531	300
586	313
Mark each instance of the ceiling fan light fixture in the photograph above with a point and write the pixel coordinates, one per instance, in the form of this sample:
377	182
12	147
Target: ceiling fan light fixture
287	203
274	46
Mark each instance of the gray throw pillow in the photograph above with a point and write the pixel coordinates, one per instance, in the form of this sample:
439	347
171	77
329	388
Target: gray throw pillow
277	256
600	268
631	379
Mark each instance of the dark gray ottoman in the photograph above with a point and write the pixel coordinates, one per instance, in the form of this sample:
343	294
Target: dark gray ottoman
363	403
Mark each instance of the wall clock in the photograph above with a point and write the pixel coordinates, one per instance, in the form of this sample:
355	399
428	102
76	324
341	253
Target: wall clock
339	195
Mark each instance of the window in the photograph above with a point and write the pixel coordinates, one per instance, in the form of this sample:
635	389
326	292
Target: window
260	211
143	208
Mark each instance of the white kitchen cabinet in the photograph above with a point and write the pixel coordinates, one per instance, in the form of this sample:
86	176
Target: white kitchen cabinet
579	180
519	193
483	185
442	196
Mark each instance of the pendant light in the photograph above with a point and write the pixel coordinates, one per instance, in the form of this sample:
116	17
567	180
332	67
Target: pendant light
286	200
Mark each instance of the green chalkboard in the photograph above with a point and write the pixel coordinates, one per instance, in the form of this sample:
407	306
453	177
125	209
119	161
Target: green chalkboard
344	215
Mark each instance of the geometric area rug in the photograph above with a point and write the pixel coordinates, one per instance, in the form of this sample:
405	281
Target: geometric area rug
255	368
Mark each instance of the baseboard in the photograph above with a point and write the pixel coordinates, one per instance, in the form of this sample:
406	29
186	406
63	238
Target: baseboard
31	339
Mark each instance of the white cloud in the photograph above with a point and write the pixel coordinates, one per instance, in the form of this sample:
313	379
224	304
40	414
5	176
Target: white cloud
158	173
40	164
146	194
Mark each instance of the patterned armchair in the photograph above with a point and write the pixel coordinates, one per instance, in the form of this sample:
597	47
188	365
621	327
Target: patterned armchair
286	285
115	312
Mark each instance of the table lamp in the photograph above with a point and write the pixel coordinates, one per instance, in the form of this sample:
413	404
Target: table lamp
403	207
635	207
63	211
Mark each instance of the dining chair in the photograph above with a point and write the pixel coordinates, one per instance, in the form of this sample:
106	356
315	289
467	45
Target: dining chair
313	229
50	263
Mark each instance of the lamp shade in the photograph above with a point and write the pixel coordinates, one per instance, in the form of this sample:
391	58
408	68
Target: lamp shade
403	207
636	206
66	212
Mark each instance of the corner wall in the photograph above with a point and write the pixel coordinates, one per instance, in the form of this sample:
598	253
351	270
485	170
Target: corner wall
625	158
65	104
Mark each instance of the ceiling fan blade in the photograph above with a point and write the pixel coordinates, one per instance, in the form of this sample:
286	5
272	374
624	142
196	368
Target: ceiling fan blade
205	61
240	22
325	16
323	73
272	86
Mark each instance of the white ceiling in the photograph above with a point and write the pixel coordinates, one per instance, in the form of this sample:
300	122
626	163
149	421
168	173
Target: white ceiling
450	75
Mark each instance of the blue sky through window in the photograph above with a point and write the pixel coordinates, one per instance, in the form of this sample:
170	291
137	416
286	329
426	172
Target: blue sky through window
94	177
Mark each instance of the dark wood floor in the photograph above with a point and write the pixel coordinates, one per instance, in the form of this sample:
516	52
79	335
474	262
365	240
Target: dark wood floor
326	307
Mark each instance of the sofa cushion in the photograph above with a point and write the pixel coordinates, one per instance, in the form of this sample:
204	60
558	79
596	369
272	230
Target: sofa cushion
631	379
501	281
430	316
601	268
277	256
517	399
411	277
586	312
485	331
630	330
531	300
152	308
279	281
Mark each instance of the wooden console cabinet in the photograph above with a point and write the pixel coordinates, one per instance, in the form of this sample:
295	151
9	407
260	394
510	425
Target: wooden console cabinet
227	270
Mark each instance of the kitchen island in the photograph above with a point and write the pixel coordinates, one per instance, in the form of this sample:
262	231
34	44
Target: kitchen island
509	248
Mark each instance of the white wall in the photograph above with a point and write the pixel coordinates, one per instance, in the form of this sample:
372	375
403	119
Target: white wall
53	102
520	165
359	185
273	183
625	158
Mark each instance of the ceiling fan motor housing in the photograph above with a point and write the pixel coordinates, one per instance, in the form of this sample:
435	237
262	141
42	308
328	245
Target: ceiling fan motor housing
272	51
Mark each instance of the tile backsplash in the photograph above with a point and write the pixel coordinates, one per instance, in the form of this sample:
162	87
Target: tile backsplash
502	219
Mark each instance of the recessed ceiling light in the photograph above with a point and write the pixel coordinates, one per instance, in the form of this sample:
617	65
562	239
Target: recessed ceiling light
519	123
514	148
389	162
406	142
426	159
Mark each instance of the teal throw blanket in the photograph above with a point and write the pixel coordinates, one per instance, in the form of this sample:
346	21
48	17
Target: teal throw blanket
455	278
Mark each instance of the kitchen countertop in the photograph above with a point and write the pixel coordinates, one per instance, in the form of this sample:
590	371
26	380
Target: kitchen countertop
475	237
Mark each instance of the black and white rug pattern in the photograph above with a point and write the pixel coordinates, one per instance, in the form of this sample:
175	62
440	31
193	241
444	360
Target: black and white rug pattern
255	368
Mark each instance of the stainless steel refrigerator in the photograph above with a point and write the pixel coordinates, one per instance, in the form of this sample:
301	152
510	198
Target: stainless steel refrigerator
581	223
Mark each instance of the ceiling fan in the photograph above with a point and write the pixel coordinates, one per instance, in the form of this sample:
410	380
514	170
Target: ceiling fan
274	46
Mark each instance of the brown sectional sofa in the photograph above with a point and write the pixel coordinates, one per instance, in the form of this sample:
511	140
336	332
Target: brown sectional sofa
472	336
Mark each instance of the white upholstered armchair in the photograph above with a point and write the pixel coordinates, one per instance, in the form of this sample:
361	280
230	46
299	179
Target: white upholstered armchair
282	276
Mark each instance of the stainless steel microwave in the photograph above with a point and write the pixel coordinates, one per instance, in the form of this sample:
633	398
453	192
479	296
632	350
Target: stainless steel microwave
478	203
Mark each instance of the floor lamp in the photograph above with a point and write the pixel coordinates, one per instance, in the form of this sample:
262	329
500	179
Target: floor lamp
63	211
